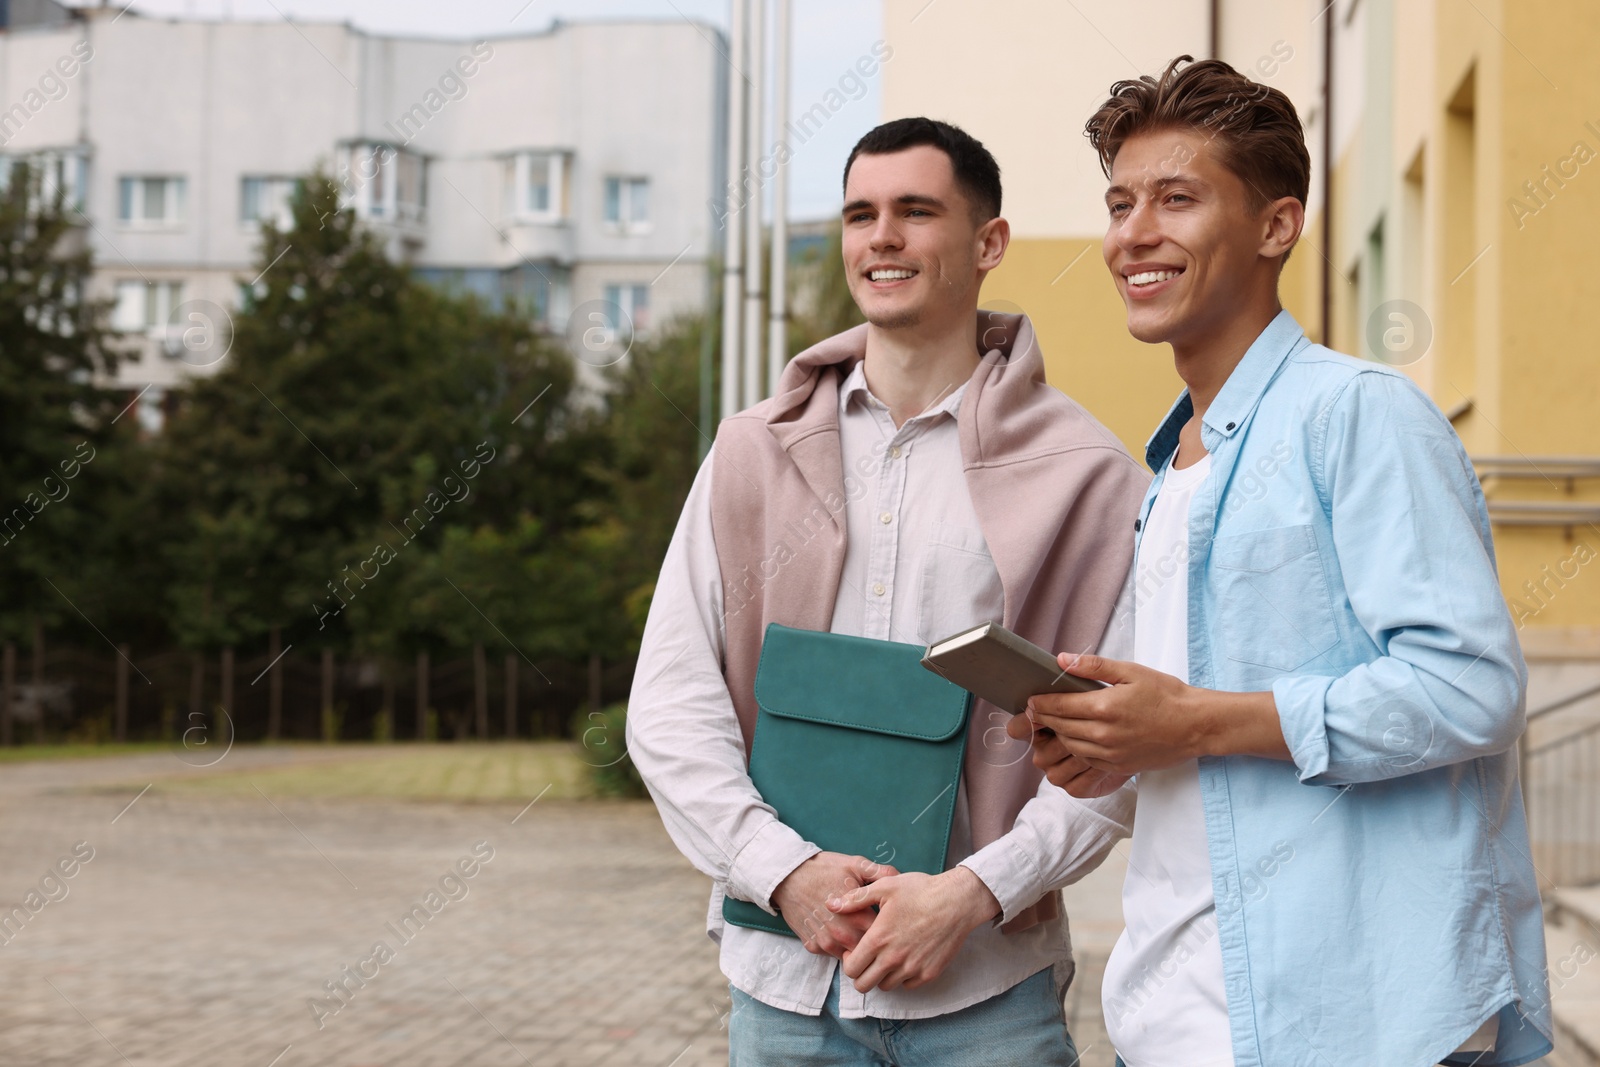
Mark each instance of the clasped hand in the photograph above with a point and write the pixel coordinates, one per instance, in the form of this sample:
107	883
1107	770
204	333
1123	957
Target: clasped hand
919	924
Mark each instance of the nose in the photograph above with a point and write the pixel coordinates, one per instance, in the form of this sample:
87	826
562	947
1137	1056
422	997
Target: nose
886	234
1138	228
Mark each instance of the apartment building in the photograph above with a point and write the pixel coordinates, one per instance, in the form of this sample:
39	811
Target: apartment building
576	168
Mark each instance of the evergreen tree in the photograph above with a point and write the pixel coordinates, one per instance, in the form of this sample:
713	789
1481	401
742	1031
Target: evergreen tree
55	416
359	415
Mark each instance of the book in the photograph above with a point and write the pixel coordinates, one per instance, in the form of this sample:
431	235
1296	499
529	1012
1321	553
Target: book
996	665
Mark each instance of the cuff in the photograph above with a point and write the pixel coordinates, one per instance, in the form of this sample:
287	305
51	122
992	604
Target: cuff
765	860
1011	875
1302	703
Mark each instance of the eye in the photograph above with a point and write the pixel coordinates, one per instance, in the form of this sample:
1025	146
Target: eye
1118	208
1176	197
916	211
858	217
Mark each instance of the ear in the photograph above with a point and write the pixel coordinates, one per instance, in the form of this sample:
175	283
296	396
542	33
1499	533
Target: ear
1281	223
993	238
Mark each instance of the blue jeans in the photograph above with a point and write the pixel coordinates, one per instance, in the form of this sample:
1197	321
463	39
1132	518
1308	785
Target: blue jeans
1023	1025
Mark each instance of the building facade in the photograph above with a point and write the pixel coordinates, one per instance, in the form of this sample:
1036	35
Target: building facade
1452	142
571	169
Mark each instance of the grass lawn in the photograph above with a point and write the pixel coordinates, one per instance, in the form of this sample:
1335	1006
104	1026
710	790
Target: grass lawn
450	772
29	753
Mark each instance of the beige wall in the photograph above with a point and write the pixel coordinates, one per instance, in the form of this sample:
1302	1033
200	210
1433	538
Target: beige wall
1513	333
1023	78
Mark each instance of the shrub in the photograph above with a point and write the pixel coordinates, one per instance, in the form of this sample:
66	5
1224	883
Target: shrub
603	746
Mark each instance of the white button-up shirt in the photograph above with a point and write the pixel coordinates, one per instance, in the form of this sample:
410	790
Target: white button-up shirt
916	570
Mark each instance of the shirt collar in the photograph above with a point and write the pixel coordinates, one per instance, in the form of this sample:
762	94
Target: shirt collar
1239	394
854	387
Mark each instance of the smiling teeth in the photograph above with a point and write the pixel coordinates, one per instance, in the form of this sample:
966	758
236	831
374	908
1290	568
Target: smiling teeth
1150	277
890	275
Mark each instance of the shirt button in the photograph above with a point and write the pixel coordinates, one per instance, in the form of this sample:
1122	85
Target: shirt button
894	453
878	588
886	518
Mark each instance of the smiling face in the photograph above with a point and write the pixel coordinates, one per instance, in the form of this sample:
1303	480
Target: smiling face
1185	247
914	252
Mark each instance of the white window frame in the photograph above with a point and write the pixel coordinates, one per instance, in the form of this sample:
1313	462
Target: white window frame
375	196
66	168
628	203
624	295
521	169
145	306
174	201
276	190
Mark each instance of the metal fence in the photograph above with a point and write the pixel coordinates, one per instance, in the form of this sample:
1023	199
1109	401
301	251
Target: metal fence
1561	783
77	694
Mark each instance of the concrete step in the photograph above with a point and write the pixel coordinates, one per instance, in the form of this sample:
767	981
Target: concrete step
1572	941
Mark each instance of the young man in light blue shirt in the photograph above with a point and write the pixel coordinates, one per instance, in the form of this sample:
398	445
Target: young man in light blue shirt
1330	860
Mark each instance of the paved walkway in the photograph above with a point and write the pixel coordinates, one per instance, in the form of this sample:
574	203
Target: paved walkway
201	930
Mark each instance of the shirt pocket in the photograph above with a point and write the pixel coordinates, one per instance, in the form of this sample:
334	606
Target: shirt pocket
1273	606
959	586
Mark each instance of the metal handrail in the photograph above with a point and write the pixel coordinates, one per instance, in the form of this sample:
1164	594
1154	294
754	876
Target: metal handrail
1592	728
1565	702
1537	466
1532	513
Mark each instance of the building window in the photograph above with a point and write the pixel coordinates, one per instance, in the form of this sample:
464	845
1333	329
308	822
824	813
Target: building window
384	182
143	201
536	186
633	303
51	174
145	306
263	199
627	204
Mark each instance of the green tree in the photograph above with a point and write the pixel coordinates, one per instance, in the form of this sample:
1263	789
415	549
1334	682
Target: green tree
55	416
823	302
359	416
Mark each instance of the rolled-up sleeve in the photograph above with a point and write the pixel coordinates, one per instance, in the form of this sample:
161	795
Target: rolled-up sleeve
1411	534
682	733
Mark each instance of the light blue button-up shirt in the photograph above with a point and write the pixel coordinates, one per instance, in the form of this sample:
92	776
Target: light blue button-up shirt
1376	898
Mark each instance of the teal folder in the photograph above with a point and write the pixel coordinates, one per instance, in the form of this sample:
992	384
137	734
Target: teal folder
858	748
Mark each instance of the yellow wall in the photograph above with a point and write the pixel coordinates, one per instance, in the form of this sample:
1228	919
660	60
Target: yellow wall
1439	169
1088	353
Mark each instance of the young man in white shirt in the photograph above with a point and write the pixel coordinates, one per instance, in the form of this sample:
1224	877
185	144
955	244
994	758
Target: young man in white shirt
910	478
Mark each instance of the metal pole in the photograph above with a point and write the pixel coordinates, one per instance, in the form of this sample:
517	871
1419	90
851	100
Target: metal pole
275	685
777	327
225	693
328	732
755	113
422	696
733	213
8	689
480	690
122	694
511	697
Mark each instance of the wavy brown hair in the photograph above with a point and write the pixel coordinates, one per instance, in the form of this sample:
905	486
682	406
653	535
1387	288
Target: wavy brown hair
1254	125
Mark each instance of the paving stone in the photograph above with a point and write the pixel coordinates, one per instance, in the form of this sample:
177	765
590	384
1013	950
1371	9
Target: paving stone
202	926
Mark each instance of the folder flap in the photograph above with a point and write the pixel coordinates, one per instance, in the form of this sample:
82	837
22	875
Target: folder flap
857	683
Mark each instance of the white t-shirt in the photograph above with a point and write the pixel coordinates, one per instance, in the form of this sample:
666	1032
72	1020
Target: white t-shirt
1163	993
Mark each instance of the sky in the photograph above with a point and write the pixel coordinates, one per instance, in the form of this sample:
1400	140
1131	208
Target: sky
829	37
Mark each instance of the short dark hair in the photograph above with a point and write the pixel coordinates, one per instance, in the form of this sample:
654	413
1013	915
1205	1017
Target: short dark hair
1255	126
976	172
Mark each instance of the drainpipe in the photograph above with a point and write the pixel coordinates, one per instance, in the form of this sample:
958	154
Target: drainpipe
1327	173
